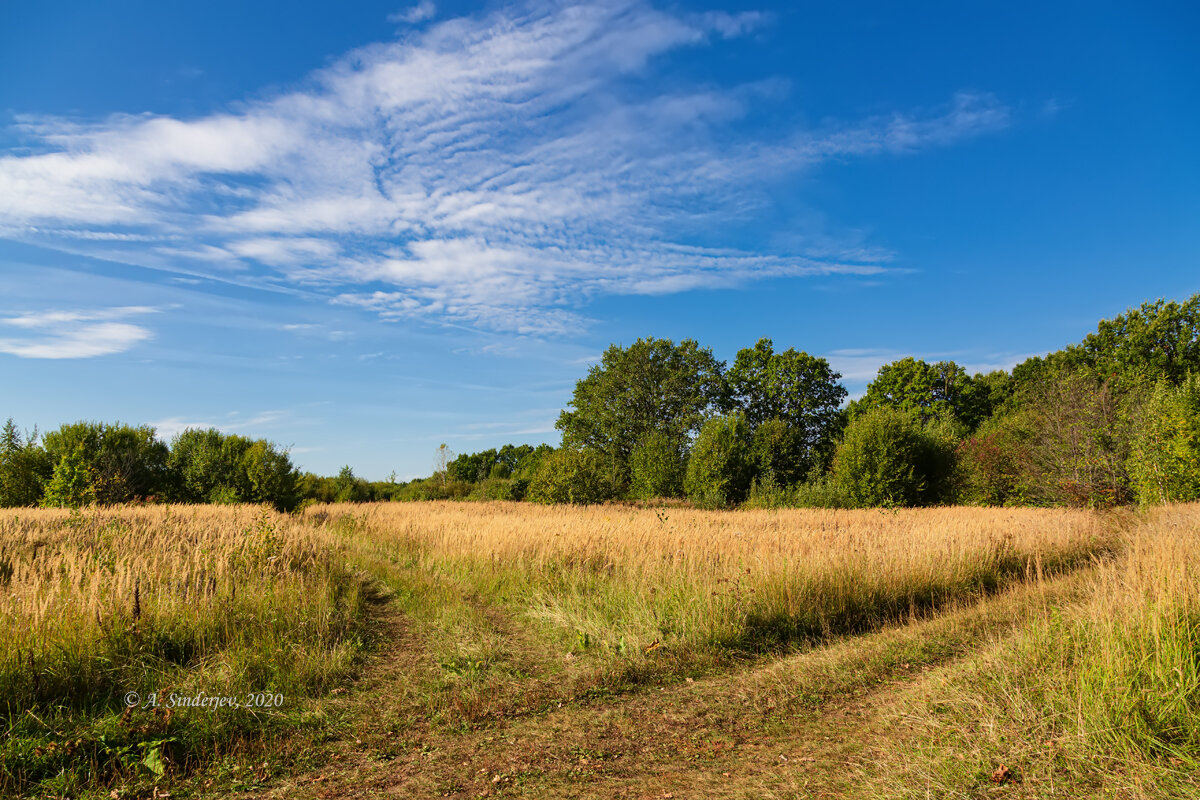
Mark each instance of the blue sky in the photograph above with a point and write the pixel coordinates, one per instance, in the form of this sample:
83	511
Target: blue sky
362	230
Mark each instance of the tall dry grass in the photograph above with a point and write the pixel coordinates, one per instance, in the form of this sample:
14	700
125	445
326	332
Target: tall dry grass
1102	696
631	579
95	604
90	596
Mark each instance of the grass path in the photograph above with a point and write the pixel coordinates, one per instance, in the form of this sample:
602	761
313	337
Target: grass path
816	723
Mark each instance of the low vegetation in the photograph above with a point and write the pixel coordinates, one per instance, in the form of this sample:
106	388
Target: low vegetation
524	612
227	601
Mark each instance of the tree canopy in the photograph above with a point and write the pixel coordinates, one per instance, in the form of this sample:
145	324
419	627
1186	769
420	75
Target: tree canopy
800	390
931	390
652	386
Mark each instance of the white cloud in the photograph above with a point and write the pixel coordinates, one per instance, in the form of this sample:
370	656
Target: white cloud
494	171
233	423
419	13
74	334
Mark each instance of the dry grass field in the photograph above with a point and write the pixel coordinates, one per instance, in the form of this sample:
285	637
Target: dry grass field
474	649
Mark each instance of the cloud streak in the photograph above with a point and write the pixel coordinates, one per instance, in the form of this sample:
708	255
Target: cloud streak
74	334
493	171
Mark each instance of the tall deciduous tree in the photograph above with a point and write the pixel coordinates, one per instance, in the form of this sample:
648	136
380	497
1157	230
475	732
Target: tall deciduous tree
1159	340
654	386
797	389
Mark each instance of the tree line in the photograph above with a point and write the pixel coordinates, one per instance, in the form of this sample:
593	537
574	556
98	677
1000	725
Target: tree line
1114	419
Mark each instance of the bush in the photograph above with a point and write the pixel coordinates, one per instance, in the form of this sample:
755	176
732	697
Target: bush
780	453
996	462
499	489
767	493
721	467
888	458
350	488
73	482
213	467
820	491
435	488
1164	465
657	467
575	475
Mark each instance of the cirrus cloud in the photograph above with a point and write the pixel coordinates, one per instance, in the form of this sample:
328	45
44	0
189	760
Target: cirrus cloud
495	171
74	334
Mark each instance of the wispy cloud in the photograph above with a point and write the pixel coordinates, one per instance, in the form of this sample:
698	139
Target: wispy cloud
74	334
232	423
494	171
422	11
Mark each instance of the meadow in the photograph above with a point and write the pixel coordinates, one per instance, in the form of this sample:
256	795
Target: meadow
463	649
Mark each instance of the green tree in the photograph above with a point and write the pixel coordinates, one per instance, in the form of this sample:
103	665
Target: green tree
1165	461
214	467
24	467
73	483
652	386
889	458
780	454
997	461
721	466
800	390
270	476
657	468
125	462
1159	340
930	390
208	463
350	488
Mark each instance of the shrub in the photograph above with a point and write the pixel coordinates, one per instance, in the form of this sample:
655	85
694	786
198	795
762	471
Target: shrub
575	475
721	467
819	491
996	462
767	493
73	482
1164	465
435	488
350	488
657	467
210	466
780	453
888	458
499	489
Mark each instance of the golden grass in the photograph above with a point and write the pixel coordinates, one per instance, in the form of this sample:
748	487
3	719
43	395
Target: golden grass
515	600
1098	697
100	602
632	579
